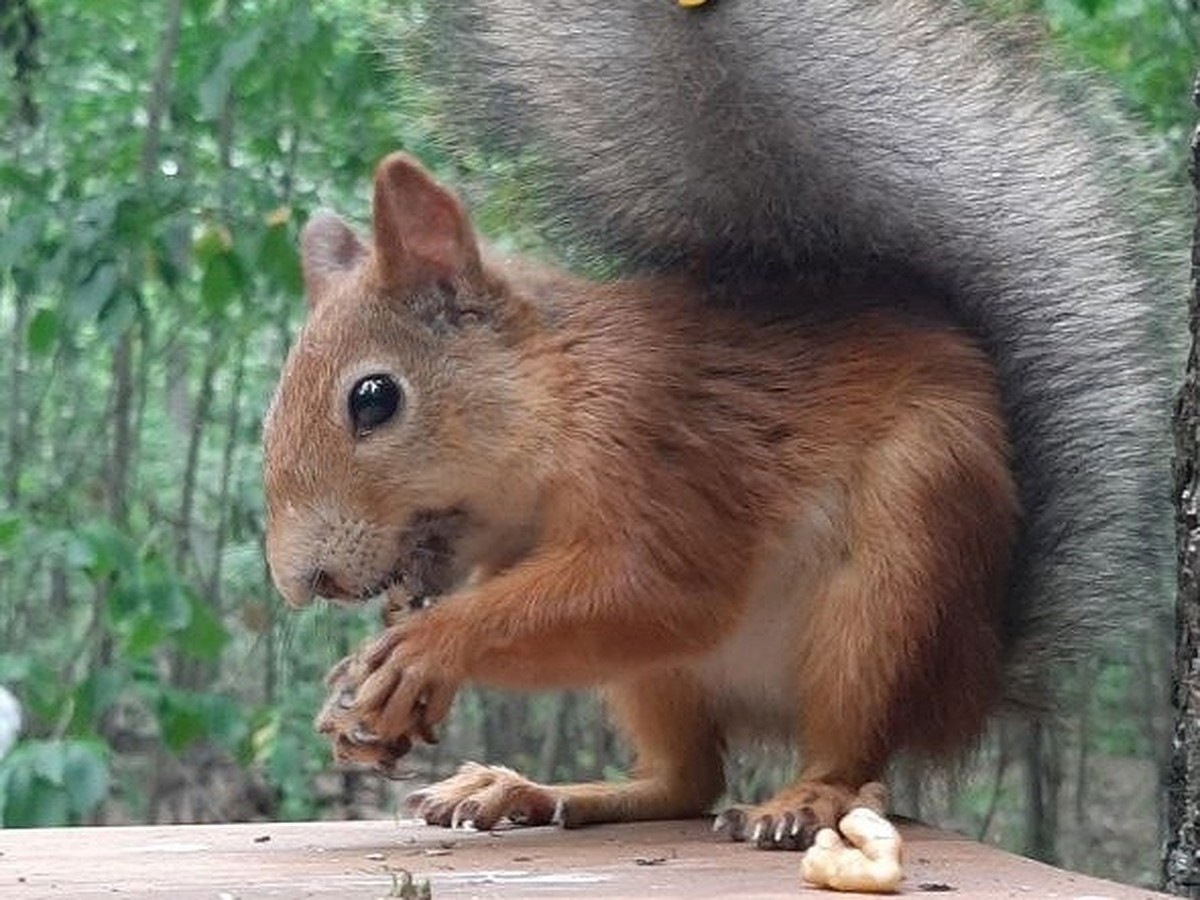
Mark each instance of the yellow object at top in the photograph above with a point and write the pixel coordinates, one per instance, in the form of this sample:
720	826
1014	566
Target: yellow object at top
692	2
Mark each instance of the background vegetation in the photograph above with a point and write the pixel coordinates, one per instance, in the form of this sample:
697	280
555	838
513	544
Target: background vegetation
156	161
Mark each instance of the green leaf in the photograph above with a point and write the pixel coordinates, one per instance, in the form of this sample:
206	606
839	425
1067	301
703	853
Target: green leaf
48	783
213	241
43	332
236	55
95	695
14	667
186	717
162	594
86	777
10	529
141	634
30	802
135	218
104	550
41	687
119	314
204	637
91	297
224	720
171	247
48	760
93	224
181	719
18	239
278	259
219	284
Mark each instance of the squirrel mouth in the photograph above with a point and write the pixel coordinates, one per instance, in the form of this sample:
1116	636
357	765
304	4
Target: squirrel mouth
427	561
426	567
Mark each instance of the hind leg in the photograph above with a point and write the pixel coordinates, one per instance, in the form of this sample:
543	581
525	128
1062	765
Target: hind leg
900	649
875	676
678	772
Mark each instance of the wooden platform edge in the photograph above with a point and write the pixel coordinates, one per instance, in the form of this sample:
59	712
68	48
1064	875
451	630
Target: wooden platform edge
367	859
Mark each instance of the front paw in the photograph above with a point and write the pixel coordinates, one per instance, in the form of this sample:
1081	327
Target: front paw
352	741
480	796
383	699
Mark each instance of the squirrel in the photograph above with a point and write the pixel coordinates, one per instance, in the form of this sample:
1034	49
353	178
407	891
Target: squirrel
868	440
737	524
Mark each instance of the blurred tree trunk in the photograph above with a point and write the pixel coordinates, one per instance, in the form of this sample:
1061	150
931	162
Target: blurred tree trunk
554	739
123	373
1182	863
16	402
233	424
199	421
157	110
1043	773
1087	699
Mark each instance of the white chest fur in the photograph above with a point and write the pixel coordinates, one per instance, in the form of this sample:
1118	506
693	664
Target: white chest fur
751	676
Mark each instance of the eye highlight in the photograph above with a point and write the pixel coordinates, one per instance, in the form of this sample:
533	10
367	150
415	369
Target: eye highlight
374	401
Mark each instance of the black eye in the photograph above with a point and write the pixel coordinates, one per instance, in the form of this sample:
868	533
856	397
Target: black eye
374	400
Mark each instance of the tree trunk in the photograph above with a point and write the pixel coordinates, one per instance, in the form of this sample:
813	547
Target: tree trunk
16	400
1043	772
1182	862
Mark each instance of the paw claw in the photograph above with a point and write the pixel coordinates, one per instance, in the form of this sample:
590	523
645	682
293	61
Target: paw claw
785	828
732	822
464	815
361	736
758	836
339	670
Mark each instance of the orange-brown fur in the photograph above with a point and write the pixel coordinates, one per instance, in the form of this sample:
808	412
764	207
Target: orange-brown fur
734	524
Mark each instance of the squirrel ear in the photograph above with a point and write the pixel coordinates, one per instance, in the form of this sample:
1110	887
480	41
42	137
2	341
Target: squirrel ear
420	227
328	248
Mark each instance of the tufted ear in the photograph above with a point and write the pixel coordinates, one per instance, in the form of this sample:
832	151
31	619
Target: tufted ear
328	248
421	230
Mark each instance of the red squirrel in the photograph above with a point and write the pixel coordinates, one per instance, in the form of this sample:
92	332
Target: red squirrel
734	521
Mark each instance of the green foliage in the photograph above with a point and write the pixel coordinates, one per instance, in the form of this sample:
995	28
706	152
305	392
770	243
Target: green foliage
283	743
149	280
1149	48
44	783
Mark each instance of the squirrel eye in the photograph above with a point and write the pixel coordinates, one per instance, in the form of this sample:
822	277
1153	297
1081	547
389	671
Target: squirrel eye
374	400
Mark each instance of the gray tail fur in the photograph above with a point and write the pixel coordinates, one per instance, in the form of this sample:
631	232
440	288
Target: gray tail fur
881	136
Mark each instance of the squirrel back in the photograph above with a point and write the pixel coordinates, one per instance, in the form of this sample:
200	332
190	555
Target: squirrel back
892	138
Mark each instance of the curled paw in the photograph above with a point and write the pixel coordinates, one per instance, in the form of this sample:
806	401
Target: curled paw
792	819
381	701
352	741
481	796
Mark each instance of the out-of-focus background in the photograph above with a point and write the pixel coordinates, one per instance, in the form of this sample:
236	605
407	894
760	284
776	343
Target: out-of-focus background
156	162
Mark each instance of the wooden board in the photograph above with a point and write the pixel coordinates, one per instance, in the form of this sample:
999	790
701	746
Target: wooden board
358	859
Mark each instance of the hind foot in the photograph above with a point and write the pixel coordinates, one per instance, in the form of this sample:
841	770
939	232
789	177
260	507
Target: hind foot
791	819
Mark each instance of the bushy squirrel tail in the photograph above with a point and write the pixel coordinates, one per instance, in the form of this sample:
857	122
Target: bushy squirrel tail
860	136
